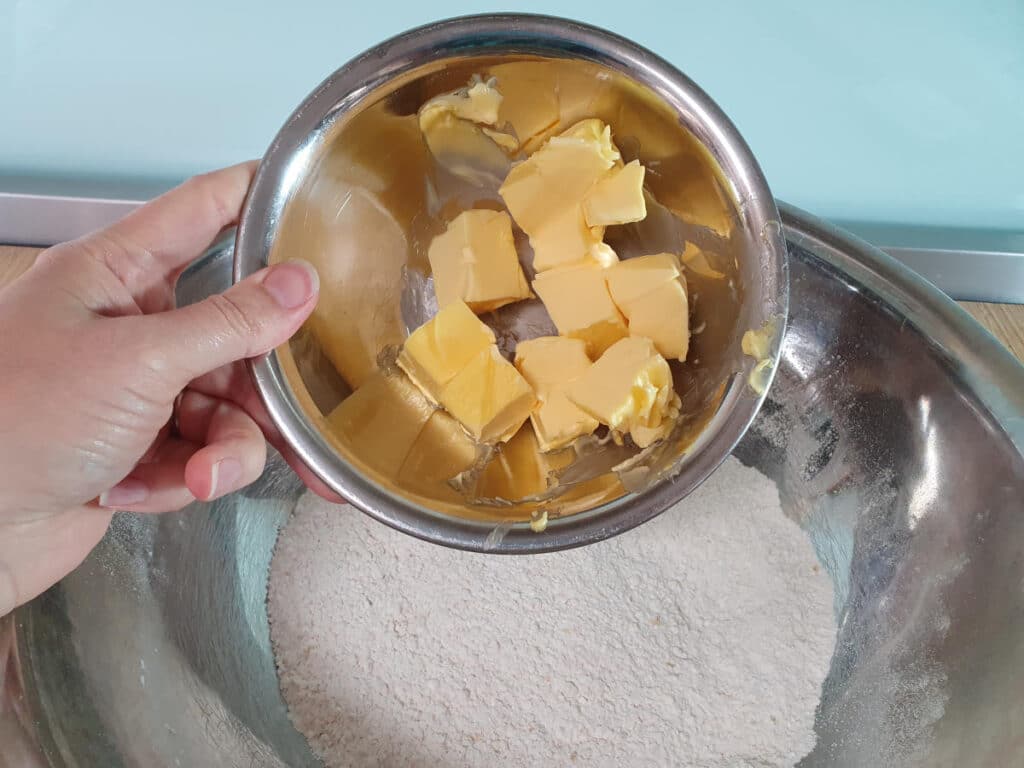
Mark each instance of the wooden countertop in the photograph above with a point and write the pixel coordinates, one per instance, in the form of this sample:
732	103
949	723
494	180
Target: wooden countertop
1004	321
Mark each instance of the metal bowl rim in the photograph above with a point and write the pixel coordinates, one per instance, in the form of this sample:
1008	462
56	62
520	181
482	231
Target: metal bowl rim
513	34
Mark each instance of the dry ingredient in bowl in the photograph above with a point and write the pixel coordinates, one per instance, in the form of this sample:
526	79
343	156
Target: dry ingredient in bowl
701	638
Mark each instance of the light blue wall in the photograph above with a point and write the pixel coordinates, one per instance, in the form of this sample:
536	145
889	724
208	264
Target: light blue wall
877	111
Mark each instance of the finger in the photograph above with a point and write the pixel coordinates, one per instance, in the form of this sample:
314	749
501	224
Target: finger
149	246
249	319
235	451
158	486
232	382
193	415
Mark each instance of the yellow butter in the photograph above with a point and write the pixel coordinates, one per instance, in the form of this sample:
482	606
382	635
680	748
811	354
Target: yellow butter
580	306
618	198
545	192
442	347
630	279
519	468
550	364
440	452
381	420
489	397
602	254
663	316
651	293
475	260
629	386
595	133
645	436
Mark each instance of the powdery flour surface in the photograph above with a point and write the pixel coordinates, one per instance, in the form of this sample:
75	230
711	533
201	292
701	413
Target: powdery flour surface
701	639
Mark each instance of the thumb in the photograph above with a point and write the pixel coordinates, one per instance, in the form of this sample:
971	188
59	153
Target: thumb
249	319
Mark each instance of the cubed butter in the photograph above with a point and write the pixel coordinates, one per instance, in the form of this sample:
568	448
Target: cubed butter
545	192
630	279
618	198
442	347
380	421
629	386
663	316
441	451
475	260
550	364
580	306
489	397
651	292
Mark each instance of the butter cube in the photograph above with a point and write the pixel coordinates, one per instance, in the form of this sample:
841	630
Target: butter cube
663	316
475	260
630	279
381	420
618	198
544	193
489	397
550	364
651	292
629	386
441	451
440	348
580	306
519	469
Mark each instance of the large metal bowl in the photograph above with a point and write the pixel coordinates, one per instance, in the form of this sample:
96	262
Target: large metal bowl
895	433
349	184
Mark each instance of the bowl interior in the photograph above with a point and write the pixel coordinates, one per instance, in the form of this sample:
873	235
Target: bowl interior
893	457
371	195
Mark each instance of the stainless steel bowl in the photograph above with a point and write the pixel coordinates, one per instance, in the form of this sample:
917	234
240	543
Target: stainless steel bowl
894	431
355	138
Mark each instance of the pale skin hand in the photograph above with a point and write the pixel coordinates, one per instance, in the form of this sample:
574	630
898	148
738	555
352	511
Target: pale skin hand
111	399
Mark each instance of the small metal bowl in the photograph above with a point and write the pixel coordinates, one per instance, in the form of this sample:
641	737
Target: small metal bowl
354	142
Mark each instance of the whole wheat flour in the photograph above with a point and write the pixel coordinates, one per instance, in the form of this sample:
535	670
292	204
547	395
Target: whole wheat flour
702	639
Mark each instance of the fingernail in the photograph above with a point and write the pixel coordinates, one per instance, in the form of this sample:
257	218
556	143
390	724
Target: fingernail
291	284
127	493
224	476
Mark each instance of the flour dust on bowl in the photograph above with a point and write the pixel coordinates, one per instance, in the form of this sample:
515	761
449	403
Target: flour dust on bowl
540	247
892	433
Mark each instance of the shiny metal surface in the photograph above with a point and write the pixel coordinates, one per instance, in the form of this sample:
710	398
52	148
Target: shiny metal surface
895	433
352	120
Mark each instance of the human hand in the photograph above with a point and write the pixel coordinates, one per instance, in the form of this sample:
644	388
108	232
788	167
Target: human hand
112	399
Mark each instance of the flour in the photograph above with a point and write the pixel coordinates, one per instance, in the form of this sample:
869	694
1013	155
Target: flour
701	638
